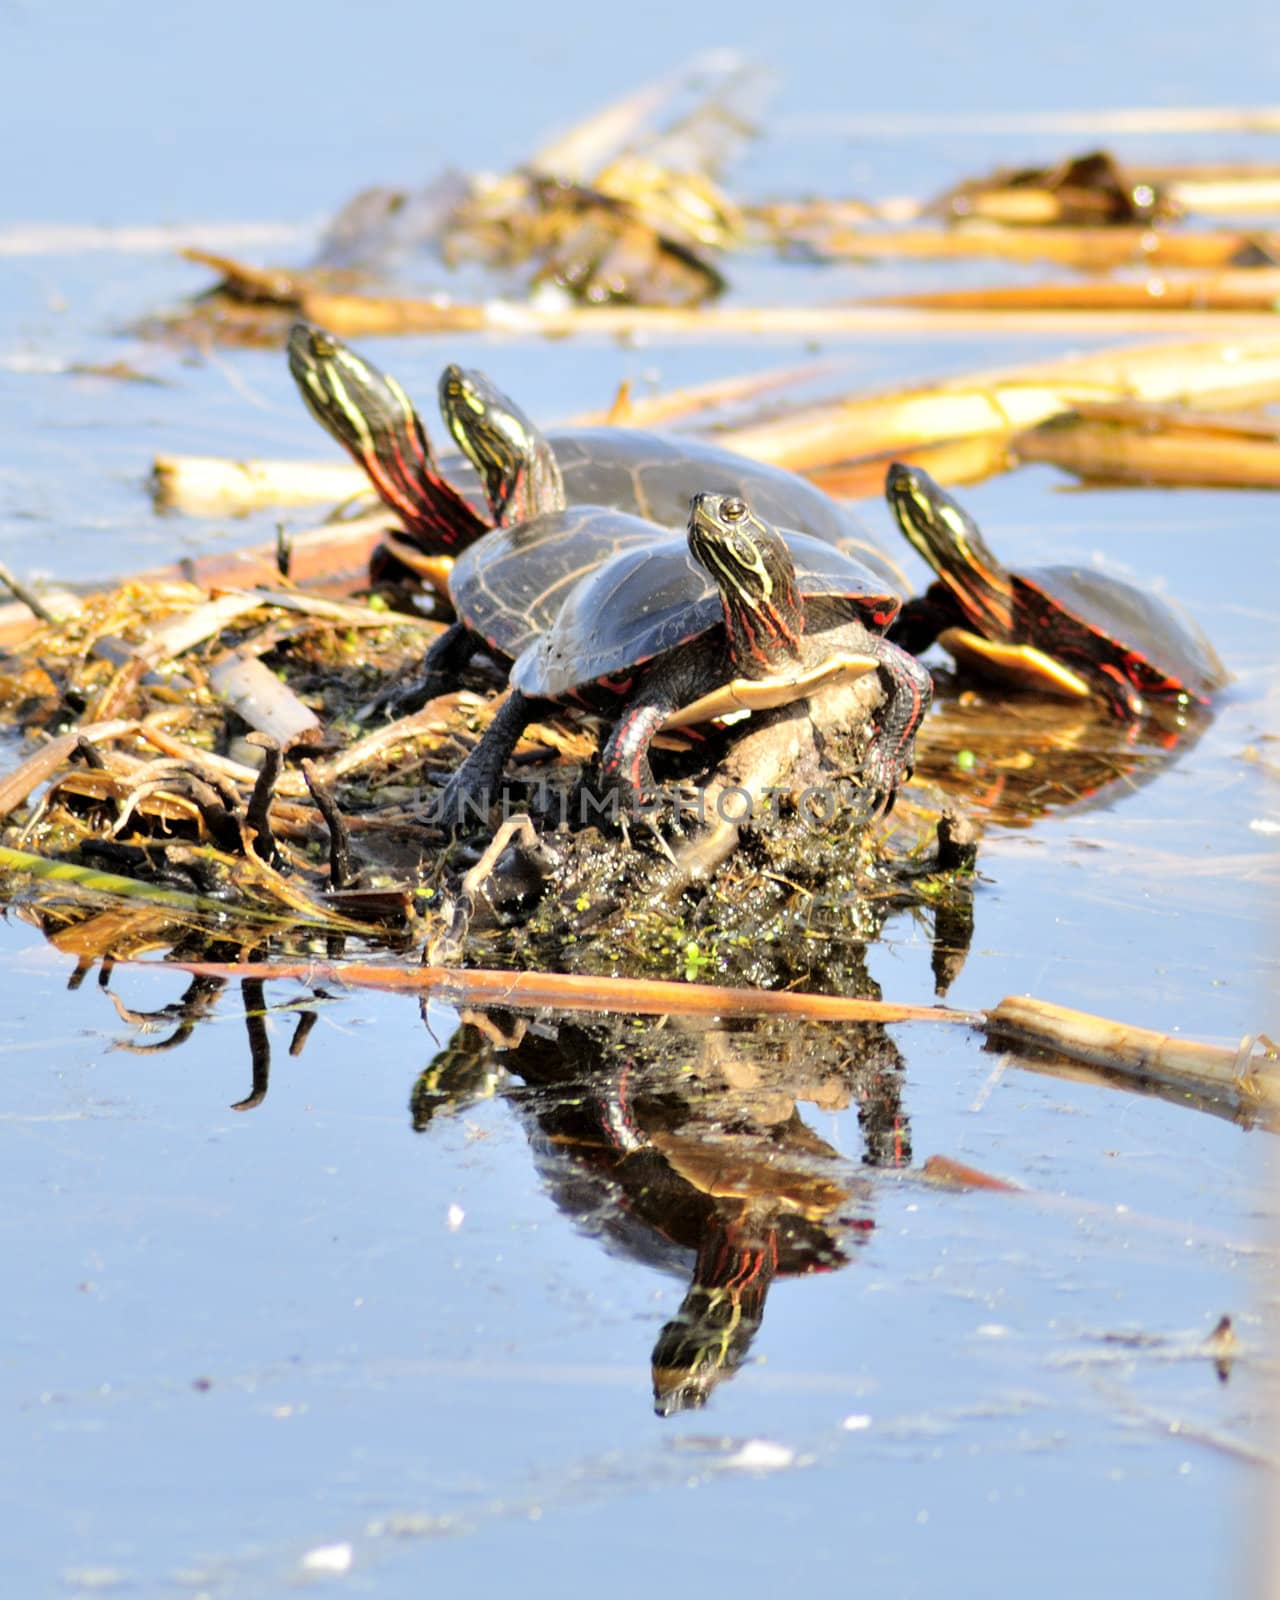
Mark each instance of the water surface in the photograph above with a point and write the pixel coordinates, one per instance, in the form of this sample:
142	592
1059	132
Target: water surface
238	1337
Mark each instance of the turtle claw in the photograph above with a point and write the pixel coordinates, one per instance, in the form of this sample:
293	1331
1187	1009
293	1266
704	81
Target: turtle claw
616	807
465	801
688	803
884	775
646	821
872	804
650	827
473	789
459	805
664	848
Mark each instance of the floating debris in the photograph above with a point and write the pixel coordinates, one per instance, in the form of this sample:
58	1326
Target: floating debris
1110	442
1091	188
622	226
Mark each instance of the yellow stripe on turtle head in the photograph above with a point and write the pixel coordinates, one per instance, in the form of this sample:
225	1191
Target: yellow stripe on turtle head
732	539
957	524
401	398
749	558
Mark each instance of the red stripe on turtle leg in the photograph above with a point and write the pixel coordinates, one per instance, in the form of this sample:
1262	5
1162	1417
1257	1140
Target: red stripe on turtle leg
909	690
624	761
915	683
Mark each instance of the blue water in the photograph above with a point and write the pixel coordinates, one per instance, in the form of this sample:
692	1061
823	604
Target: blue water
232	1338
137	112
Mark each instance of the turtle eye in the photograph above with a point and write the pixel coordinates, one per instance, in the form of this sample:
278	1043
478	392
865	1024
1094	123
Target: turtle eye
732	509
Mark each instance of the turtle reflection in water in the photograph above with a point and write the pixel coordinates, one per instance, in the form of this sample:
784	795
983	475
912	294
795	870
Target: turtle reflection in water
682	1147
1015	760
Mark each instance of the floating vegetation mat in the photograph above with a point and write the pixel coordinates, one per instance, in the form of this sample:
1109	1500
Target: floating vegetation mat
215	770
187	751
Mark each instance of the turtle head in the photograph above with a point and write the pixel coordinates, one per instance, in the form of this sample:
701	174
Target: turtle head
348	397
514	458
374	420
708	1338
756	577
951	542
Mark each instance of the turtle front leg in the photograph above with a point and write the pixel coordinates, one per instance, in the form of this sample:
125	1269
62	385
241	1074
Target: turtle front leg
908	694
626	783
470	792
626	779
922	619
442	666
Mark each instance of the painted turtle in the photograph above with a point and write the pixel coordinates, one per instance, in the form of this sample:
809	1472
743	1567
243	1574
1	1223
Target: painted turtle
648	475
508	587
1067	631
733	616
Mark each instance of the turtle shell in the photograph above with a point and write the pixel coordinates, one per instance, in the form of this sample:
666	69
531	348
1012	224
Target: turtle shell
655	475
645	601
1077	611
509	586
